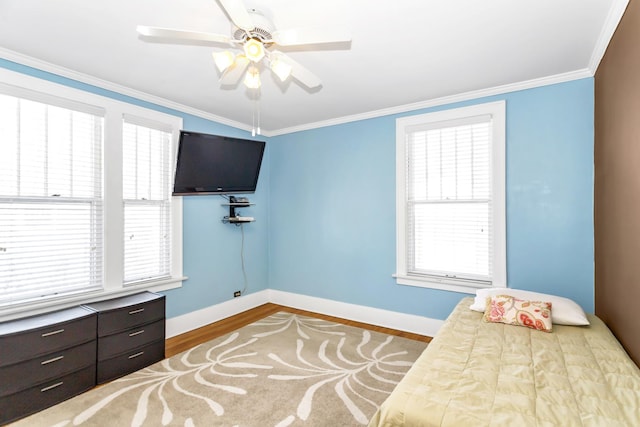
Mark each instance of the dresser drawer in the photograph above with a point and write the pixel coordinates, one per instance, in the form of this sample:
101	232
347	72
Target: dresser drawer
35	336
124	313
22	375
49	393
129	362
139	336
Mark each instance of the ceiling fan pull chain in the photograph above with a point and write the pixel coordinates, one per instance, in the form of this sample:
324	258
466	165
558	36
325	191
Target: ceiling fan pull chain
255	115
258	109
253	118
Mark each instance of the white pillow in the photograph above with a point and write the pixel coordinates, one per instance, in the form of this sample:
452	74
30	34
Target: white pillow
563	310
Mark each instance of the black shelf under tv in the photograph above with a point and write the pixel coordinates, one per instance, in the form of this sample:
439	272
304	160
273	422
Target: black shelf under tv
233	217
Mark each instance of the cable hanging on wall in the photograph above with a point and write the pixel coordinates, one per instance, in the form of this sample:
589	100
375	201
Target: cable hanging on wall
244	271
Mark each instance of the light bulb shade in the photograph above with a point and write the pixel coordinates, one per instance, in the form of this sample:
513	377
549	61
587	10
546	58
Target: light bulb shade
254	50
252	78
280	68
223	60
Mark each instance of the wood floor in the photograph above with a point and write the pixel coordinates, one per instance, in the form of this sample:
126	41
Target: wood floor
206	333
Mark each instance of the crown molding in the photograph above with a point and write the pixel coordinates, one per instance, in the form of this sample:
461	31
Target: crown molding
609	28
48	67
466	96
143	96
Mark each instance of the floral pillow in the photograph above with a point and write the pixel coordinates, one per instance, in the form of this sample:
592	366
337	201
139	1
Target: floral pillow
514	311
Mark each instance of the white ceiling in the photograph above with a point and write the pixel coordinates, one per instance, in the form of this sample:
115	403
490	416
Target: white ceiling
403	52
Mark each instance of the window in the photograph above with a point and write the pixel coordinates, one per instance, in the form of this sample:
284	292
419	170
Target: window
450	198
51	197
147	200
77	173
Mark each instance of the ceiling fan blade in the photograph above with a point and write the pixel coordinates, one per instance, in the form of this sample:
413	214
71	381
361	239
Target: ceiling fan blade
313	35
299	72
238	14
182	35
234	73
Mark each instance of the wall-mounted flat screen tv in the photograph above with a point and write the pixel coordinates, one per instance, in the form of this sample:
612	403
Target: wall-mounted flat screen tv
213	164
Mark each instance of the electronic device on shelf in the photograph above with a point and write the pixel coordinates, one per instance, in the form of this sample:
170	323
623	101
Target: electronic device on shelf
239	200
214	164
234	217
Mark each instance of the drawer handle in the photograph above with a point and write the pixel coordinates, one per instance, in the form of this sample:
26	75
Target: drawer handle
140	310
55	359
48	334
52	386
133	334
133	356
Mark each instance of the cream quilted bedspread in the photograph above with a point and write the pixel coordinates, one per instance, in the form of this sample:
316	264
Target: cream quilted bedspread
485	374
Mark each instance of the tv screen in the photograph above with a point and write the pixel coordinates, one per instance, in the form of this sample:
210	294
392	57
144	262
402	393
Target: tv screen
212	164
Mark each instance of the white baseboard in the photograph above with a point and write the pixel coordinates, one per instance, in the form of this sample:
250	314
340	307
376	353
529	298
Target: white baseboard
358	313
196	319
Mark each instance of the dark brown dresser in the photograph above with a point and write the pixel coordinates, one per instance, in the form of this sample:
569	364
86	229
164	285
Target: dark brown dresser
46	359
131	334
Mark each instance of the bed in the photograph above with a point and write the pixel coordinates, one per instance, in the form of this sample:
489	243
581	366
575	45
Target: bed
476	373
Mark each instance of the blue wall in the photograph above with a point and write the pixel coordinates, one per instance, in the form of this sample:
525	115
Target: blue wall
332	205
211	249
325	209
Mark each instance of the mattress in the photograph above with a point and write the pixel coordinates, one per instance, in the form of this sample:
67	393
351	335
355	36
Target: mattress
475	373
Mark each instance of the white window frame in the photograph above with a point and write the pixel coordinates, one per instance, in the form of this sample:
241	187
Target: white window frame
141	202
113	250
499	273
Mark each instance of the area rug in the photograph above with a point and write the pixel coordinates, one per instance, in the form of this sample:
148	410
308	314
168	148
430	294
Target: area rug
284	370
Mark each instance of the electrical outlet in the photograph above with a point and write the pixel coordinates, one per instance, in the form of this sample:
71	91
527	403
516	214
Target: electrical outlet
236	294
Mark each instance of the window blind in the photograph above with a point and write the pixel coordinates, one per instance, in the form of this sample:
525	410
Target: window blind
449	199
147	200
50	198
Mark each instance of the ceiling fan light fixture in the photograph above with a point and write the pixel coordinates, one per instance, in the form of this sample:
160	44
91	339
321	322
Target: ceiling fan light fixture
254	50
280	68
223	60
252	78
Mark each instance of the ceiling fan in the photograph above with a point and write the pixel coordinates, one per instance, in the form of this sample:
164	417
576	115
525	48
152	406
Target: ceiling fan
257	38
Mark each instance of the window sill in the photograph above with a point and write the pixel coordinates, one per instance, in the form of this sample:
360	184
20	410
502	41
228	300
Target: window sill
35	308
154	285
443	284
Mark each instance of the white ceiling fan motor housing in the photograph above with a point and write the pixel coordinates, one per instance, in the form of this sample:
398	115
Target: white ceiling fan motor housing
263	28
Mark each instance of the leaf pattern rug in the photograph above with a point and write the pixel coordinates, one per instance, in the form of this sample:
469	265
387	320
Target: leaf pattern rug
284	370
